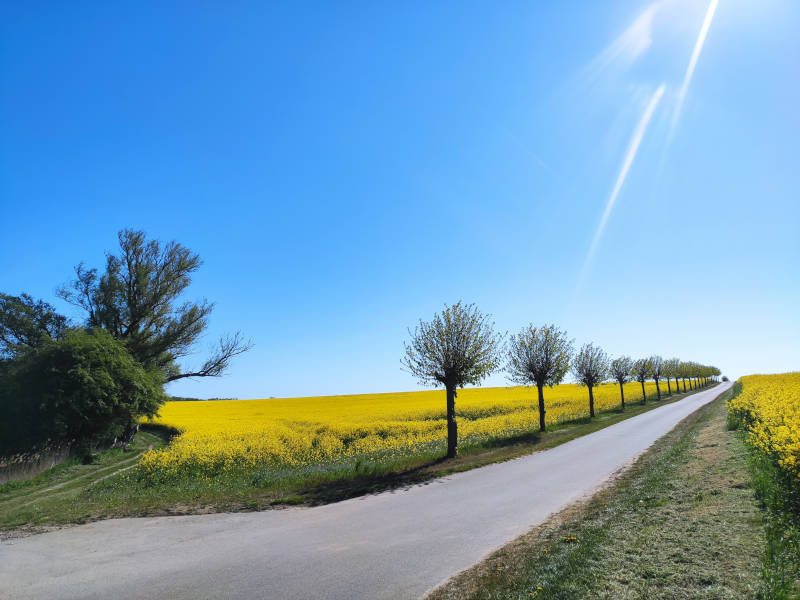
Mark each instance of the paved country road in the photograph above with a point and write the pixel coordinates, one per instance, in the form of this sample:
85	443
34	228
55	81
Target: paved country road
396	544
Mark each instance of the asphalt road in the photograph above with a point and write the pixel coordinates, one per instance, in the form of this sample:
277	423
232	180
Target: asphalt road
396	544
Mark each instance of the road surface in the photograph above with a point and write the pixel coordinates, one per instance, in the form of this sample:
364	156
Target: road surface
396	544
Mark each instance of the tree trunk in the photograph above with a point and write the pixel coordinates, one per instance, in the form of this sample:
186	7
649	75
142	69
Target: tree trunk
644	396
452	427
684	386
127	435
669	387
591	402
541	407
658	390
622	395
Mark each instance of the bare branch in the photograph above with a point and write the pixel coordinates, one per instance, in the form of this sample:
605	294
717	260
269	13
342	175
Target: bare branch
228	348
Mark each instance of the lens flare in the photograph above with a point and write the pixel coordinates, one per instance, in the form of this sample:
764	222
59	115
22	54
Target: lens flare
630	156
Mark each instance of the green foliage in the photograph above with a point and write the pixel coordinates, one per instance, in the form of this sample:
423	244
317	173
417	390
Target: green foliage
539	355
780	498
85	388
26	323
641	370
457	347
590	366
620	369
138	301
736	419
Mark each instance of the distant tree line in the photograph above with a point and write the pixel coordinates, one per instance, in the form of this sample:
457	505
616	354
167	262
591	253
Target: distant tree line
189	399
459	346
87	384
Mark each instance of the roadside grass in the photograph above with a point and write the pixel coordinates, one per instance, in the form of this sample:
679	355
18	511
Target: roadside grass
683	522
780	499
93	495
58	491
779	495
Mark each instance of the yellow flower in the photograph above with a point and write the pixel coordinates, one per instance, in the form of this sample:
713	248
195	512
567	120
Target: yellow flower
770	407
290	433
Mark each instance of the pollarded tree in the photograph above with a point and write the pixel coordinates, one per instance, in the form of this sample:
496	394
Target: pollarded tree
689	370
590	368
657	371
671	371
683	369
457	347
539	356
137	300
641	373
621	372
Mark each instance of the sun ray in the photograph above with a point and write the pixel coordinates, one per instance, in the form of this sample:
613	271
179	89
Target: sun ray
630	156
687	78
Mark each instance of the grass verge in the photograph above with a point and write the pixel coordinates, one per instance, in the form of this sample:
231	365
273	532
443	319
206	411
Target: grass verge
56	495
94	495
683	522
779	495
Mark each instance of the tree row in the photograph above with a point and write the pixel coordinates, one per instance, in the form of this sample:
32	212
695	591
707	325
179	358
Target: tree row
460	347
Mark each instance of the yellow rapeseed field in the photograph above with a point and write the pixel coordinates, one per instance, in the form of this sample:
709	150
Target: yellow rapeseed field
770	408
219	436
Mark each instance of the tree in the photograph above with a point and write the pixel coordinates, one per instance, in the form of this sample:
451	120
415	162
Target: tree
672	370
590	368
687	371
683	370
621	371
455	348
85	389
137	301
641	373
26	323
657	371
539	356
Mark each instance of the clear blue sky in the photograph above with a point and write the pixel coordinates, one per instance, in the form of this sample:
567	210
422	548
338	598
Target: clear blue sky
347	168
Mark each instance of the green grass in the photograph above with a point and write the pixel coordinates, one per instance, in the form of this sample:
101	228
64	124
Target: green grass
683	522
779	495
85	498
57	495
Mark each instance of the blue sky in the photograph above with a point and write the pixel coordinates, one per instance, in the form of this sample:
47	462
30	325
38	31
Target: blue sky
345	169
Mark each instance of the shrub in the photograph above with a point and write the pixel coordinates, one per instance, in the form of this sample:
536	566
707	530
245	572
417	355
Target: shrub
84	390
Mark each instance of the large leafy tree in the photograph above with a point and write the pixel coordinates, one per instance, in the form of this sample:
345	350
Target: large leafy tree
137	299
457	347
27	323
84	390
590	368
539	356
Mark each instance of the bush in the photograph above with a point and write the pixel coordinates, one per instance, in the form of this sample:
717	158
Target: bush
84	390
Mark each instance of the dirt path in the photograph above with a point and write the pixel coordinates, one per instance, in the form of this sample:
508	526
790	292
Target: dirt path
34	496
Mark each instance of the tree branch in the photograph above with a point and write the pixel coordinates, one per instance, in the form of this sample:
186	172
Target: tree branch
215	366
